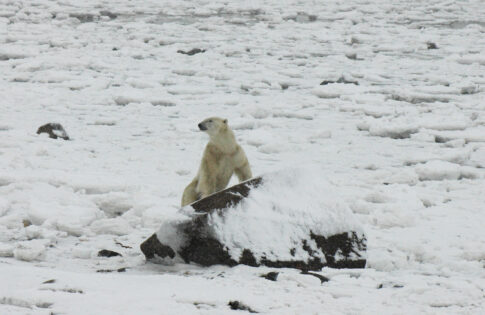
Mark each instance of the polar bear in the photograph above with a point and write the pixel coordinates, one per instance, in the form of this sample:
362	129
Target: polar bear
222	158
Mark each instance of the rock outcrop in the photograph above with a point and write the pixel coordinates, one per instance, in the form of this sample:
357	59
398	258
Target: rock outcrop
197	240
54	130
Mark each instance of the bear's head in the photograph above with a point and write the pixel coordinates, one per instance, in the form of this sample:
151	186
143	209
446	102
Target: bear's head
213	125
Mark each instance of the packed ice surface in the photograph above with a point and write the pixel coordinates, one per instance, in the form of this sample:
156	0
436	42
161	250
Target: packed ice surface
404	148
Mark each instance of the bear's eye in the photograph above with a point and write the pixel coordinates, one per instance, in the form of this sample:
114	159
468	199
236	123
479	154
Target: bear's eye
210	120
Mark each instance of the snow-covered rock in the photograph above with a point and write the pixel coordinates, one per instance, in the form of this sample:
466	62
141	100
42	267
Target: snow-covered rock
54	130
251	224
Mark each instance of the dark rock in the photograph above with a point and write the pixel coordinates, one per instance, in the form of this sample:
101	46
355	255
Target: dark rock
236	305
322	278
247	258
348	245
107	253
43	304
441	139
431	45
83	17
351	56
273	276
109	14
124	246
49	281
226	197
111	270
192	51
54	131
468	90
152	247
340	80
344	250
206	251
301	17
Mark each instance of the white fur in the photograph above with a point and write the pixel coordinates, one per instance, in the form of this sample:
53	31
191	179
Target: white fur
222	158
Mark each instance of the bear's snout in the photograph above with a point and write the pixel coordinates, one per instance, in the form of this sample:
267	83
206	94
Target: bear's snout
202	127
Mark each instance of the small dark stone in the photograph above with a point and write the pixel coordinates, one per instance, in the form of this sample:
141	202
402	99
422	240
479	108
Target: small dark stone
107	253
236	305
431	45
339	80
380	286
111	270
124	246
54	130
43	305
83	17
343	80
273	276
322	278
440	139
109	14
191	52
49	281
351	56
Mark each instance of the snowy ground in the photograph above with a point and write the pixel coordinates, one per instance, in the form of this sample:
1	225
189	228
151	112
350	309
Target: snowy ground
405	147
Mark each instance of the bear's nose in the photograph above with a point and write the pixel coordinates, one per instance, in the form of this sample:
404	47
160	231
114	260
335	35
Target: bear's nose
201	126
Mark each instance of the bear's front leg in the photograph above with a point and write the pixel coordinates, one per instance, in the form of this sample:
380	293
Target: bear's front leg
244	171
207	181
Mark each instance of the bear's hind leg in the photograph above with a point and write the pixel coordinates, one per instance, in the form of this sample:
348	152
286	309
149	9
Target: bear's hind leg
190	195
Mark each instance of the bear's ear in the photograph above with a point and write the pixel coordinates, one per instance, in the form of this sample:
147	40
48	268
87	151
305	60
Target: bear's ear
225	121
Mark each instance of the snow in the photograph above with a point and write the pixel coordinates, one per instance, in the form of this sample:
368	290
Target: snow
31	250
404	149
438	170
